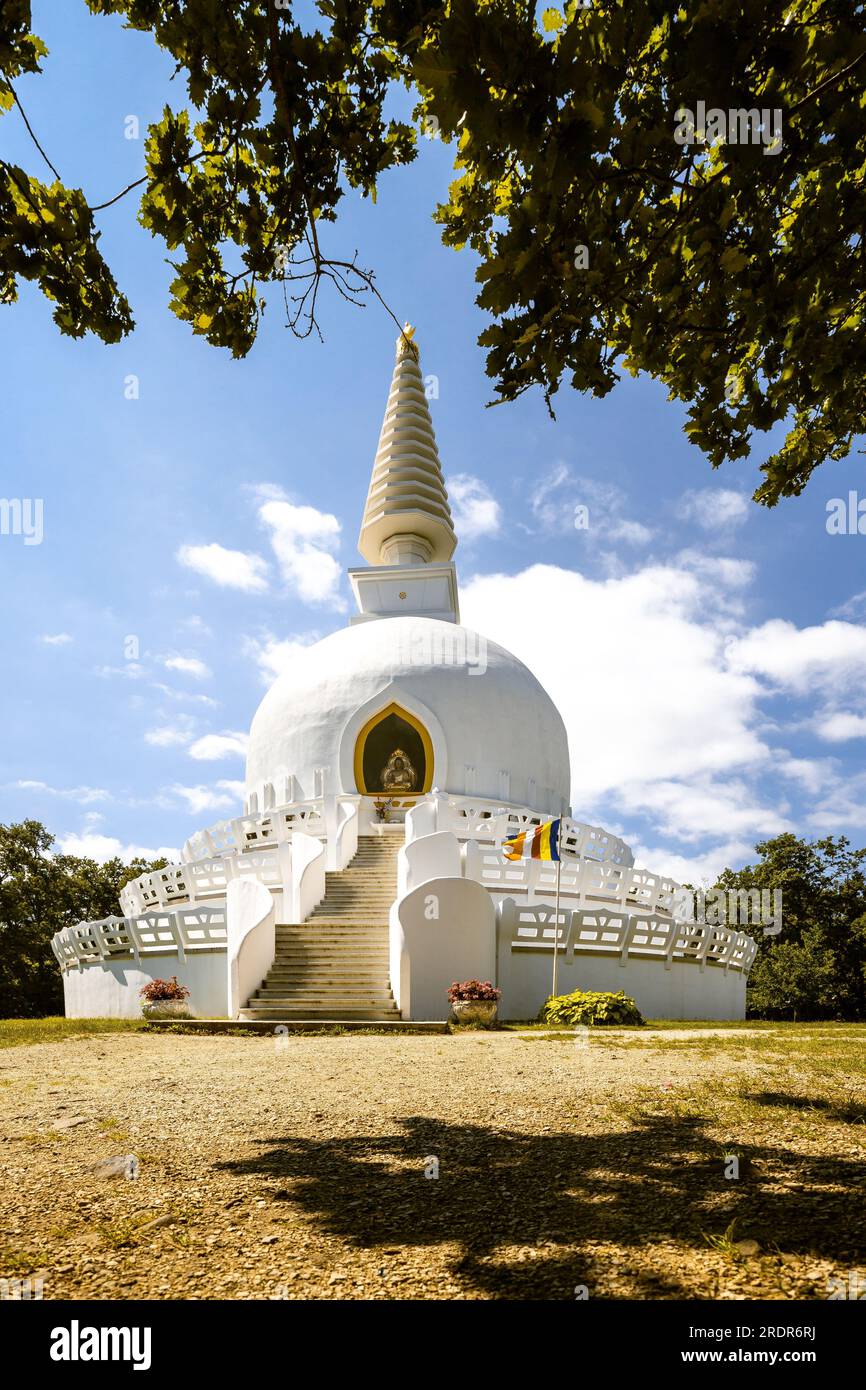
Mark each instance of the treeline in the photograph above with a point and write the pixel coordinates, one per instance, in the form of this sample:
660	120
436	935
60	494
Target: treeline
40	893
816	967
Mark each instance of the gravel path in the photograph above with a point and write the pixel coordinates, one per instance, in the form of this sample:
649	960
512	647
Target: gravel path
297	1170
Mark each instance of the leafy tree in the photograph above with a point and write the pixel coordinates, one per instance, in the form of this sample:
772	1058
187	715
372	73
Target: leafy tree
733	272
816	966
40	894
796	981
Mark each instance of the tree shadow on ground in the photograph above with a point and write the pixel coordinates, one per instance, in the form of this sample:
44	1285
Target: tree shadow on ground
851	1113
564	1195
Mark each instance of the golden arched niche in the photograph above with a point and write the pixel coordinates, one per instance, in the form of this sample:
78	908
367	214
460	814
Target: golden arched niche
391	737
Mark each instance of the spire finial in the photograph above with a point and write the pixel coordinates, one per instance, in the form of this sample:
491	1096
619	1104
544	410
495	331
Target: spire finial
405	343
407	517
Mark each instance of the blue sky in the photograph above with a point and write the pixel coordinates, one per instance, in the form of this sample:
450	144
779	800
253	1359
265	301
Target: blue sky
709	656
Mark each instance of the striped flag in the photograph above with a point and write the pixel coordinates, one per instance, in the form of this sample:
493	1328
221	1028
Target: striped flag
541	842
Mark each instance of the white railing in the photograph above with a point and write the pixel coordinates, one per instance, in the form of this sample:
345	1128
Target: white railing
584	879
211	856
251	941
257	830
345	836
530	927
206	879
478	818
179	931
182	907
248	845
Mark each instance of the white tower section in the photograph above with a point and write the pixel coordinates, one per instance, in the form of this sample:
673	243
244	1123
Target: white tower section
407	536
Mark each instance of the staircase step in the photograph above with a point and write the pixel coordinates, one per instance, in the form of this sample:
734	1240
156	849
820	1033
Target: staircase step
358	907
338	933
337	964
308	1011
372	911
380	986
336	960
303	989
358	940
374	944
300	950
330	966
342	931
378	989
314	925
346	928
350	998
326	950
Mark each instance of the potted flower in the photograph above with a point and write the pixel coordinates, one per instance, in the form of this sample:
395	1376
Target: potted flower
165	999
382	808
474	1001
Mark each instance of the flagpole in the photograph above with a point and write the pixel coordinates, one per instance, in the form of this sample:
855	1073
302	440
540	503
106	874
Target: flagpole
556	911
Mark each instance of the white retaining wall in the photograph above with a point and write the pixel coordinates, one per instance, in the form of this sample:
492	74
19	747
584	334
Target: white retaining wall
110	988
683	991
440	932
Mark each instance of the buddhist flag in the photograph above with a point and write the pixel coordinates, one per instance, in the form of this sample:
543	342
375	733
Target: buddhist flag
540	843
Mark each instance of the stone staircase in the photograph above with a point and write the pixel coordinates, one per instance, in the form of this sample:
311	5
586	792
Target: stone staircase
334	966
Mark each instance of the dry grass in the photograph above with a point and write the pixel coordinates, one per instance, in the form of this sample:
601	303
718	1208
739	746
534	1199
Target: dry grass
297	1170
22	1032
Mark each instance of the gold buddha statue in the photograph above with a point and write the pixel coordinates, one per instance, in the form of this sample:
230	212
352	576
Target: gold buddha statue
398	774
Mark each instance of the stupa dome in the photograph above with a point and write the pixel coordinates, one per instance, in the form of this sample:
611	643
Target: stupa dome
473	720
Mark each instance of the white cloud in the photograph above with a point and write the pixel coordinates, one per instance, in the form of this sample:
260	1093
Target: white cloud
632	532
171	735
813	774
214	746
552	510
274	655
89	845
85	796
798	659
729	572
303	541
709	807
714	508
556	499
196	625
854	607
188	666
131	671
231	569
184	696
636	666
699	869
838	727
225	795
56	639
475	510
661	687
843	807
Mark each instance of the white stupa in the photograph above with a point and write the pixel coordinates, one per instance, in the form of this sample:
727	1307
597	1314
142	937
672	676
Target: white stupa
384	771
473	718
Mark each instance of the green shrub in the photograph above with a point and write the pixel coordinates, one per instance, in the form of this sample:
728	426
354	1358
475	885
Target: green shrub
586	1006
